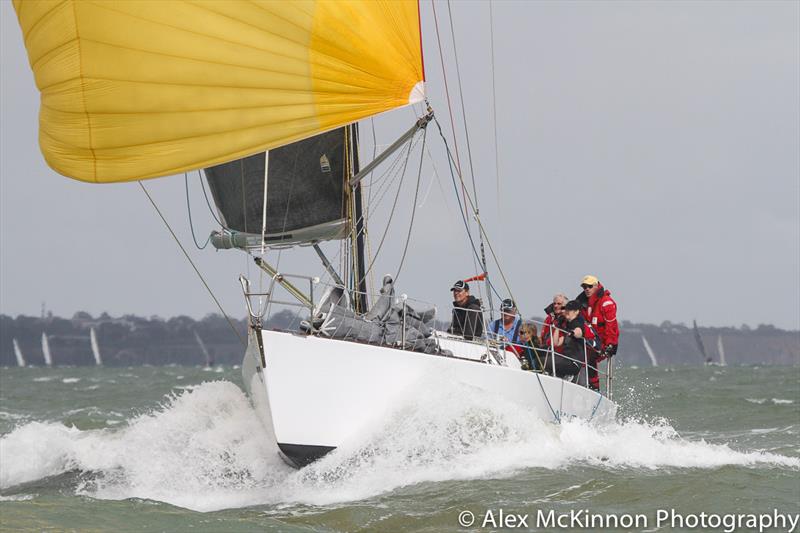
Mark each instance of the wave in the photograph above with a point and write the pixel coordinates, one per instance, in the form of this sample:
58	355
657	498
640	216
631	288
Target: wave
205	449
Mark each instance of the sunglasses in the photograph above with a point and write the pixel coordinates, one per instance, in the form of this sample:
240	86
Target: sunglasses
458	291
585	286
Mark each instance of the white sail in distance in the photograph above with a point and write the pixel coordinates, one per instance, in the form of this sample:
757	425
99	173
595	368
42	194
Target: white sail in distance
48	358
95	347
18	354
209	362
721	350
649	351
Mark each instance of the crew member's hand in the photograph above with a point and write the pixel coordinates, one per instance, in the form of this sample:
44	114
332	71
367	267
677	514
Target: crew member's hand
577	333
610	350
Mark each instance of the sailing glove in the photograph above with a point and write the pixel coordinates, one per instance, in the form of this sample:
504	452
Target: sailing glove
610	350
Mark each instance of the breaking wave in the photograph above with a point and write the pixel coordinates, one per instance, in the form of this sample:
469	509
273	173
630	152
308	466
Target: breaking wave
205	449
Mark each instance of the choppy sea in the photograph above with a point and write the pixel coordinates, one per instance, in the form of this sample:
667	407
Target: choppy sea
181	449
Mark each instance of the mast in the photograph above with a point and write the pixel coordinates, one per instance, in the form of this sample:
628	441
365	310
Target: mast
721	350
361	302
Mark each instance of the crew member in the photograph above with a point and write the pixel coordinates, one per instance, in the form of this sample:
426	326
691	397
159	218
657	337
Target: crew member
555	317
507	326
467	313
576	334
601	312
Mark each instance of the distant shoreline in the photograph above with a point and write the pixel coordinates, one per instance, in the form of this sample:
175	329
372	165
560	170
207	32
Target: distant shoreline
134	340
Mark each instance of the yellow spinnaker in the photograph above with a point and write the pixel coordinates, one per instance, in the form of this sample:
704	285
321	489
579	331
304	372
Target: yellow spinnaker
134	89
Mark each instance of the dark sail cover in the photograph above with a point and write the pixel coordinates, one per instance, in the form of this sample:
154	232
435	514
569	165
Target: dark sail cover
305	192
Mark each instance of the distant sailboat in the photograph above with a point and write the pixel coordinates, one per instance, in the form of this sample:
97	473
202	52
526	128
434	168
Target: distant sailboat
649	351
18	353
700	345
48	359
209	360
95	347
721	350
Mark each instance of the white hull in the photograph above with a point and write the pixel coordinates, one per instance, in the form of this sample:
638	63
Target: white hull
316	394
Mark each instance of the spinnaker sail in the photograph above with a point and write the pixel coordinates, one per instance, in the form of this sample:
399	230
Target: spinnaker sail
135	90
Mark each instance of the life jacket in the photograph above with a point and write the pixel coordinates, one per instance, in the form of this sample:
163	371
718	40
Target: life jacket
496	325
600	310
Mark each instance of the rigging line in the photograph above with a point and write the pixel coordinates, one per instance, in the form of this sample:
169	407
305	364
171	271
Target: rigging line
461	98
469	149
396	168
189	210
391	213
208	203
446	89
494	114
461	209
414	208
366	208
185	253
480	226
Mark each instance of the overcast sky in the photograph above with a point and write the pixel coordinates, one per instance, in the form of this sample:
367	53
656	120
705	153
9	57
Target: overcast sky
653	144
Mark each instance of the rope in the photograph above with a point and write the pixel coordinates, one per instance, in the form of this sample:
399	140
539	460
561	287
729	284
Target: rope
461	209
446	90
494	115
230	322
414	208
189	209
391	213
480	226
208	202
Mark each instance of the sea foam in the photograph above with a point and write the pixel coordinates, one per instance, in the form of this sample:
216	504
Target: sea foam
205	449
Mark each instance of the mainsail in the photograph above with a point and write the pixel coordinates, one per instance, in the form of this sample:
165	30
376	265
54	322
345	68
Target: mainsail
649	351
700	345
48	358
18	354
721	350
306	192
95	347
134	90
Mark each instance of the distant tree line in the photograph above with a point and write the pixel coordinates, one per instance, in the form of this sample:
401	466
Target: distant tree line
134	340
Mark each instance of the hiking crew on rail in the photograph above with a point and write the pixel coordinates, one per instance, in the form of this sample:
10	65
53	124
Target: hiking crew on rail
578	332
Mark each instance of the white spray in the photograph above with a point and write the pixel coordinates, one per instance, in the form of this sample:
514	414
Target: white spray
206	450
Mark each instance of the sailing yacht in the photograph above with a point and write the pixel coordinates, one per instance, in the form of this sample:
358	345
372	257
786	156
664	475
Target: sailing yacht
266	98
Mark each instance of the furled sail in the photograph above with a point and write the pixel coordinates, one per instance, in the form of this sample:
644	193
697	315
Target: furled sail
306	192
134	90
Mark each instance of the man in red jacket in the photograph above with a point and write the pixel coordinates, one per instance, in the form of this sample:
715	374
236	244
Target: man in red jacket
601	312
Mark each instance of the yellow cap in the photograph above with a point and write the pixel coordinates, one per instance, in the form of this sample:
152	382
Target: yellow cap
590	280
